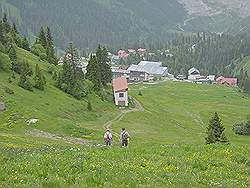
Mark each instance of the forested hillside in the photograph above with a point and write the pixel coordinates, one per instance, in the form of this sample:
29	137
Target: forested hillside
120	22
89	22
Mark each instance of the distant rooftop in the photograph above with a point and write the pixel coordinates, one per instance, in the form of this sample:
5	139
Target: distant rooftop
193	71
150	67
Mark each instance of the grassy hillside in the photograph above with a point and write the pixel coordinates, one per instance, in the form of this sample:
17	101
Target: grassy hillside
57	112
142	166
166	146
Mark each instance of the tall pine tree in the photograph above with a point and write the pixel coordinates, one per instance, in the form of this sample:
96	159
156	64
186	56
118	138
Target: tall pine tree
93	73
42	38
25	44
6	24
12	54
50	50
104	67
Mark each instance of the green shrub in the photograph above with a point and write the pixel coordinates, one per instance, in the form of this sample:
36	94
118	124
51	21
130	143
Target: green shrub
21	67
10	80
51	69
4	62
242	128
2	48
43	56
25	83
8	90
38	50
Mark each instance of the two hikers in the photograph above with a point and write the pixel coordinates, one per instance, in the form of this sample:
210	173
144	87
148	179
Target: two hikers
108	137
124	137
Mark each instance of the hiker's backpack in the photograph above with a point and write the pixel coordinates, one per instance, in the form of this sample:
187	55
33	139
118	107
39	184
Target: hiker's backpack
108	136
125	136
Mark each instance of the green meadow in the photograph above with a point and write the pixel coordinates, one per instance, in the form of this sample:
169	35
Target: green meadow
167	137
178	112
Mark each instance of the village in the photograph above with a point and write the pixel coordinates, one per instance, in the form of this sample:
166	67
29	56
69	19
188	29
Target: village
147	72
124	93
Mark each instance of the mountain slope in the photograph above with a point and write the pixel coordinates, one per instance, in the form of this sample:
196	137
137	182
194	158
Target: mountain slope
244	64
123	22
90	22
166	144
57	112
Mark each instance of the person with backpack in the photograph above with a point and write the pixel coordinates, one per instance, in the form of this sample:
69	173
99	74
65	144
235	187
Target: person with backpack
124	138
108	137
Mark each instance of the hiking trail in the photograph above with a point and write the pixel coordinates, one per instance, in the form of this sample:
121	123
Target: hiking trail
120	116
68	139
80	141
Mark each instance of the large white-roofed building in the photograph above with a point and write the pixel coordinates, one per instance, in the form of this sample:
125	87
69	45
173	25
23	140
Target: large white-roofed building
146	70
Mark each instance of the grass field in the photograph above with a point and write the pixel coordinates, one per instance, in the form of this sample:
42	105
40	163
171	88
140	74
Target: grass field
179	112
149	166
166	146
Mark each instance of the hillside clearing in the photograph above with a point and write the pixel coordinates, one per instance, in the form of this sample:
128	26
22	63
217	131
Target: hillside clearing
166	149
179	112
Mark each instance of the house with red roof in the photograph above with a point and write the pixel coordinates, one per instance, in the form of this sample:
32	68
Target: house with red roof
122	54
227	81
141	51
120	90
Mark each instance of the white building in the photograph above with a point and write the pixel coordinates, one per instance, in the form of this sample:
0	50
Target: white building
120	90
117	72
147	70
193	74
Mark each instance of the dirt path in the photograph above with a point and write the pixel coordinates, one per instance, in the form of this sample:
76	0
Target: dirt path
120	116
68	139
74	140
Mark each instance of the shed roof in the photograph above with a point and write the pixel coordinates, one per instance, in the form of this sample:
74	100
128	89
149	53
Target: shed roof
120	84
193	70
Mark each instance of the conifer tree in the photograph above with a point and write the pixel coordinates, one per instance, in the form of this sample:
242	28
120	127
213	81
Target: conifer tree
70	79
215	130
49	38
12	54
5	19
6	24
42	38
51	57
1	32
93	73
104	68
39	79
25	44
